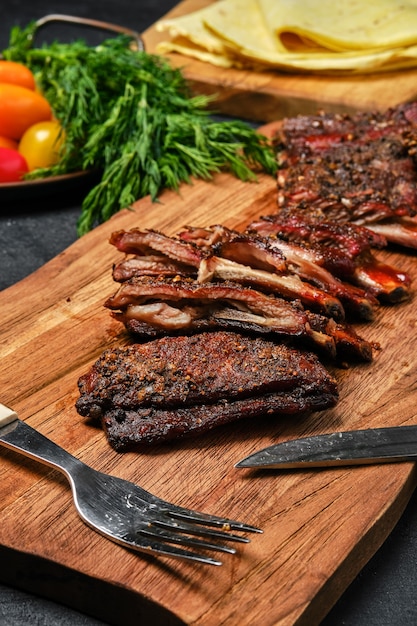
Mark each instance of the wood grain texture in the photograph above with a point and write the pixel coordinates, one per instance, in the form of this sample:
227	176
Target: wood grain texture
320	527
267	96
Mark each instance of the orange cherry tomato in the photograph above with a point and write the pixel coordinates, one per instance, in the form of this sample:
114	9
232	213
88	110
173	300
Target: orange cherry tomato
16	74
13	166
41	144
5	142
20	108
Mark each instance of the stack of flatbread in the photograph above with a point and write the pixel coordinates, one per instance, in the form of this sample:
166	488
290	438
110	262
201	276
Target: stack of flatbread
298	35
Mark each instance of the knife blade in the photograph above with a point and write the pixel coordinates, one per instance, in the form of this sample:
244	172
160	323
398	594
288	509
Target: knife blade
356	447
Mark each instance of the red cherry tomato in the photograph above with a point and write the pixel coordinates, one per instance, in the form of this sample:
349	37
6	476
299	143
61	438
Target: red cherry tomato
13	166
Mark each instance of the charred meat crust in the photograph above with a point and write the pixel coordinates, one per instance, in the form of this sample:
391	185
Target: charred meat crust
354	168
127	429
174	386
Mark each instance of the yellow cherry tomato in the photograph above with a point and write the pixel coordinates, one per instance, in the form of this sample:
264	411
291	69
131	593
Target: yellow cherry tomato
17	74
20	108
41	144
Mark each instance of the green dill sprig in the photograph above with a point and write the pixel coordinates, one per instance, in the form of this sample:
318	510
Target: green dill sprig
130	116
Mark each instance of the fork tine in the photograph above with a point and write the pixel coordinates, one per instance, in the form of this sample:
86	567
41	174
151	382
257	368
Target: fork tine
190	515
150	545
193	515
174	537
194	529
210	520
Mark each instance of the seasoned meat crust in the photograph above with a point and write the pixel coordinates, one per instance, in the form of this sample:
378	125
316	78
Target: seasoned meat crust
177	386
359	168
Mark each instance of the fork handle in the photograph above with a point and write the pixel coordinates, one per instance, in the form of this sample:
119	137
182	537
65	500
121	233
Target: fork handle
18	435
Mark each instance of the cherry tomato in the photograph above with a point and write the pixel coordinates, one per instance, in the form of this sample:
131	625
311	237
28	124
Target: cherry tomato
41	143
5	142
12	166
16	74
20	108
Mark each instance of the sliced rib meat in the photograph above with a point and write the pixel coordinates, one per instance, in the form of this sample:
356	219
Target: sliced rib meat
359	168
180	386
259	246
151	307
306	134
353	182
402	232
344	240
283	317
145	242
149	265
345	250
289	286
241	258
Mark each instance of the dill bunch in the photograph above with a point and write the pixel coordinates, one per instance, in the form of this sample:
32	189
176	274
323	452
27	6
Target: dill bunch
130	116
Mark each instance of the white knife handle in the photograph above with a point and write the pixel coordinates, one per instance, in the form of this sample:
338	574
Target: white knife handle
7	415
30	442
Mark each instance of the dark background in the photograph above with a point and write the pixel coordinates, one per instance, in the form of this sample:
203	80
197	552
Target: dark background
34	230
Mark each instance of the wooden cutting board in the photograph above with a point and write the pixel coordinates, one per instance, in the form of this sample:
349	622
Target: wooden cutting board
267	96
320	527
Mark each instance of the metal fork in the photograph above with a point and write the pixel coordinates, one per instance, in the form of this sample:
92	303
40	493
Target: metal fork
121	510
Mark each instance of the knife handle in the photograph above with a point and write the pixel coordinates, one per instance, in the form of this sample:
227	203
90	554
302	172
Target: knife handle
7	416
18	435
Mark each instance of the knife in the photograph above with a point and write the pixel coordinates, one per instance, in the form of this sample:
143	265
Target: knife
356	447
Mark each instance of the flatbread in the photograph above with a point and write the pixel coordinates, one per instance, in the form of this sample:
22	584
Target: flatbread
342	25
351	36
194	35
